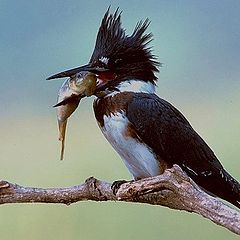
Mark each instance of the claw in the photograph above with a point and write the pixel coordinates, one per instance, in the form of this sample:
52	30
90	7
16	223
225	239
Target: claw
116	185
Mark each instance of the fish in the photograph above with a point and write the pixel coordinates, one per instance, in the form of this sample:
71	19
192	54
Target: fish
73	89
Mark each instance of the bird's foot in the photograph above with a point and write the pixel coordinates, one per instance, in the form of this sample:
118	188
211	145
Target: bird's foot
117	184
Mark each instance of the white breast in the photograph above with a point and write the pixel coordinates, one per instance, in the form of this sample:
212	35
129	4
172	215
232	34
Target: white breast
138	158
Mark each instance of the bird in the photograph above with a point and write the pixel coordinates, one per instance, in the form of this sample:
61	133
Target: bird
148	133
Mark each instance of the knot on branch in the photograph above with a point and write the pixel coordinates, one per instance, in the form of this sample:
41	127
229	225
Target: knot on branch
6	188
94	189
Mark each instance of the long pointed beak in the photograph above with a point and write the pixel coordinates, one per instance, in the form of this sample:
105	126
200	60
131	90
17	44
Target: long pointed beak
71	72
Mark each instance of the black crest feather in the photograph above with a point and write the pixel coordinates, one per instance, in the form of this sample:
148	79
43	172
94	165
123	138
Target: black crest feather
129	56
109	34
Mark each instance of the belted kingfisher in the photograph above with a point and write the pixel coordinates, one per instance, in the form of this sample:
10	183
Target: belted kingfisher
149	134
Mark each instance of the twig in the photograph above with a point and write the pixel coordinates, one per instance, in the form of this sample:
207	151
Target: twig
173	189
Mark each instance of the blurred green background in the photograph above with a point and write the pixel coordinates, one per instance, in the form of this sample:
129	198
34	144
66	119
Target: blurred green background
199	44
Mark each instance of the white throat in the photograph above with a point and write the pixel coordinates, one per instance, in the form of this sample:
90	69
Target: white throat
137	86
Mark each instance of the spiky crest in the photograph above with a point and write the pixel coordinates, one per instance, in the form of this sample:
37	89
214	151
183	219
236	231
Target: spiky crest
127	56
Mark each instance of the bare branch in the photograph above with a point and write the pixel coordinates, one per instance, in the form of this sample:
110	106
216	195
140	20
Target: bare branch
173	189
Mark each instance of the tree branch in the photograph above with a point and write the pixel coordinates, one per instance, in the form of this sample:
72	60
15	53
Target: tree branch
173	189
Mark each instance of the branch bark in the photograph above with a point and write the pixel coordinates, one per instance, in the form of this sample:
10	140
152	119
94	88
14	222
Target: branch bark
173	189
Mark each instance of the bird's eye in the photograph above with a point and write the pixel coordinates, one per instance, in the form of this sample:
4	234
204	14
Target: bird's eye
101	64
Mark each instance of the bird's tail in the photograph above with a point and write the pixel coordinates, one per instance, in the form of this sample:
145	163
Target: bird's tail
224	186
231	191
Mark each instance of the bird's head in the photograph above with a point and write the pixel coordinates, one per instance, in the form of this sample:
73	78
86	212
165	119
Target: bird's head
118	57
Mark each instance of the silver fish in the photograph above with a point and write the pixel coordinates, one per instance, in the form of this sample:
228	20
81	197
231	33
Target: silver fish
71	92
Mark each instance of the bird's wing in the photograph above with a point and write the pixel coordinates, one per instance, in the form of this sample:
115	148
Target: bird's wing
163	128
169	134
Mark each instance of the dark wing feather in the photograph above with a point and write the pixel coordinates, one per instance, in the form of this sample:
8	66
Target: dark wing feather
170	135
